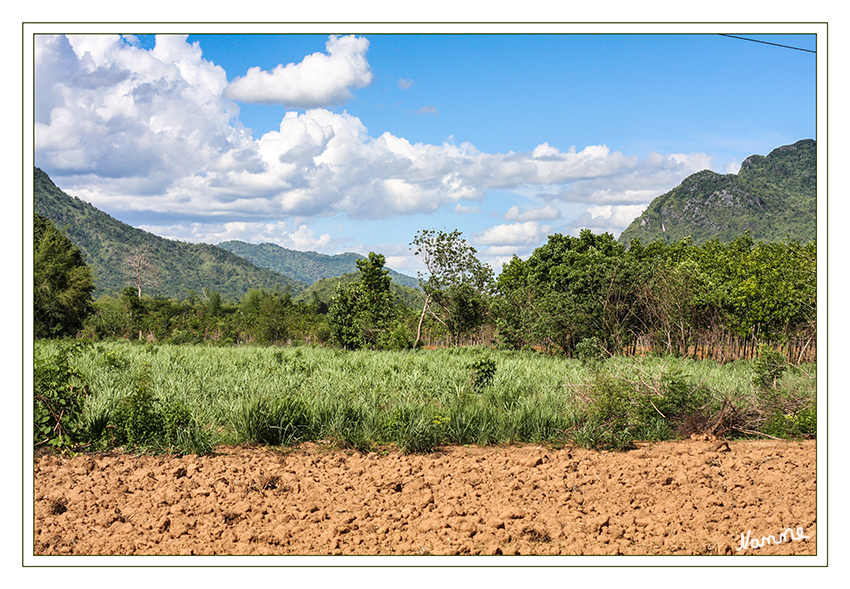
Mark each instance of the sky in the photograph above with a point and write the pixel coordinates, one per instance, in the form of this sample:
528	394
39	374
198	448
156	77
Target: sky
352	140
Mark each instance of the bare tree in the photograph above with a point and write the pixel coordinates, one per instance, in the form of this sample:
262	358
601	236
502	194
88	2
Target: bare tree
140	268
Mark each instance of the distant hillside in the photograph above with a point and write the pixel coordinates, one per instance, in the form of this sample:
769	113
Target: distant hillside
774	197
307	267
106	242
323	290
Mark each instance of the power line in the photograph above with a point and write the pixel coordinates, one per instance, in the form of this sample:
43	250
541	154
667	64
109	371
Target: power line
768	43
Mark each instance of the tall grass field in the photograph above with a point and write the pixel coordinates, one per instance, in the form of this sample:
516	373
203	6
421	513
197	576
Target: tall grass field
188	399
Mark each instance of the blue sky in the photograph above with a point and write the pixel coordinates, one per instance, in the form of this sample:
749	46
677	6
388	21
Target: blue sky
354	141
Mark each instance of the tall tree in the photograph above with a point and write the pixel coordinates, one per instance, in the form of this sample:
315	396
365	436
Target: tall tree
141	269
62	282
363	310
458	286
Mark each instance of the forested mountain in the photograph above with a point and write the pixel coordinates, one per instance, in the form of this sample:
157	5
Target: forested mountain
307	267
323	290
171	268
774	197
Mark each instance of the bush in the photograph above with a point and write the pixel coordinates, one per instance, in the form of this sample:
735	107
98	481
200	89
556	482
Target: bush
144	422
590	353
768	368
59	391
481	373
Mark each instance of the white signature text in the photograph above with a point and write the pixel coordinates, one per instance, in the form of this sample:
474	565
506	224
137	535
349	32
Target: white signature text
785	536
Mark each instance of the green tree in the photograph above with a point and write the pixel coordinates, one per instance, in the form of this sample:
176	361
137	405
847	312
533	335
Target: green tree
267	314
362	311
458	287
62	282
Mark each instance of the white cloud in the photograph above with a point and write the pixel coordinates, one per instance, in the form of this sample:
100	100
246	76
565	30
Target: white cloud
405	84
546	213
529	232
606	218
427	110
296	236
465	210
733	167
318	80
153	130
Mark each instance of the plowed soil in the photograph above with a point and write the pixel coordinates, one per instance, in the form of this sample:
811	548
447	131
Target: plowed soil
688	497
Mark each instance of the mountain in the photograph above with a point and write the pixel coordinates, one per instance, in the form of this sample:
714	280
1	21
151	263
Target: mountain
323	291
181	267
774	197
307	267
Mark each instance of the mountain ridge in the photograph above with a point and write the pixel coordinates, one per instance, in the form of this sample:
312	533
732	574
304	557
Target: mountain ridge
774	197
105	243
307	267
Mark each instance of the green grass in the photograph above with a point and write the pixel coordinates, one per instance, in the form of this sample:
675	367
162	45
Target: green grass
187	399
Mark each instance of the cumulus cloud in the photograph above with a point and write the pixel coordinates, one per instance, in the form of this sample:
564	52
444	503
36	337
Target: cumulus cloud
546	213
320	79
405	84
529	232
296	236
427	110
157	130
606	219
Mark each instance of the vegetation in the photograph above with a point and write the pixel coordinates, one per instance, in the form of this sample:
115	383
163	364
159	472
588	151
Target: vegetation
155	397
587	341
306	267
670	298
62	283
106	244
772	197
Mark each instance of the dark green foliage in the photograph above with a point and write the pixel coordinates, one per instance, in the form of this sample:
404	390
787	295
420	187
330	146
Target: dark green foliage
773	197
414	429
363	311
669	295
142	421
59	391
62	282
277	422
590	353
621	411
481	373
137	420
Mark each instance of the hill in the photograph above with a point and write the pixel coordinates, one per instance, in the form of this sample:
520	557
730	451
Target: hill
106	242
307	267
774	197
323	291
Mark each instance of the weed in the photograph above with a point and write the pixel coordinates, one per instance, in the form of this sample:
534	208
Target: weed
481	373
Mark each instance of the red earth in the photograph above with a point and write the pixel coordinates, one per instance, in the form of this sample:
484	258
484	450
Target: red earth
693	497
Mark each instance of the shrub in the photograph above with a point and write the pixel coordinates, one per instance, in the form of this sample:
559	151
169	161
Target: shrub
590	353
768	368
59	391
481	373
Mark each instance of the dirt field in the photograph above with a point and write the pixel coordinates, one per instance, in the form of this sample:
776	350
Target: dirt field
666	498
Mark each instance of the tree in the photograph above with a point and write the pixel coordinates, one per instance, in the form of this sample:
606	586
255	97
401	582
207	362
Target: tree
140	267
458	286
62	282
363	310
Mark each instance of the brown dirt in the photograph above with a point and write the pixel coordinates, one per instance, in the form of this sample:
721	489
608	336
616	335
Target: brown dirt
686	497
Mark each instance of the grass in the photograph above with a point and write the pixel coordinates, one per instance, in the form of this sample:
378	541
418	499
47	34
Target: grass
187	399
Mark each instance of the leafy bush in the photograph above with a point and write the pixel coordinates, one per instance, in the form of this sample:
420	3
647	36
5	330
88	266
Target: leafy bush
481	373
621	411
590	353
59	391
140	420
768	368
